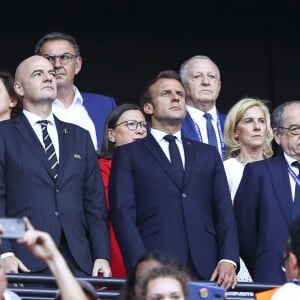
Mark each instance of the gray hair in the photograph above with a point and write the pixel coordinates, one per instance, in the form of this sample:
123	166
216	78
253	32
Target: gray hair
277	114
184	65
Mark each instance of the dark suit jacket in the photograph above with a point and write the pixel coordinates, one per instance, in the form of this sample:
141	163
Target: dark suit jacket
73	204
263	209
98	107
189	131
152	211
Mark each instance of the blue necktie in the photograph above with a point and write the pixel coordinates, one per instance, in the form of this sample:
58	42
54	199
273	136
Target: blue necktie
211	134
49	149
296	206
175	157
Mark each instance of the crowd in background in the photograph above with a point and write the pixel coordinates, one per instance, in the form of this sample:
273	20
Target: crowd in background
171	186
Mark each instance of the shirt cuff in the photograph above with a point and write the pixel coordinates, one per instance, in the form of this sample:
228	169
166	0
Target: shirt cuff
230	261
6	254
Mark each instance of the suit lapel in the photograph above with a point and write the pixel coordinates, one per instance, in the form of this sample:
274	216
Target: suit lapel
281	185
156	151
32	141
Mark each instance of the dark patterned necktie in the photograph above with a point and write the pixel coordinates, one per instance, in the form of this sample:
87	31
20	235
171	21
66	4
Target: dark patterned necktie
211	134
49	148
296	206
175	157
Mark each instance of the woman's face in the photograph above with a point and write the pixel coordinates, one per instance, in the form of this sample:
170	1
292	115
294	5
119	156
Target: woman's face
251	131
164	288
142	270
130	126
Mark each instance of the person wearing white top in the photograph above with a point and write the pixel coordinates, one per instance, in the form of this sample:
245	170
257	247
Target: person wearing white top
248	137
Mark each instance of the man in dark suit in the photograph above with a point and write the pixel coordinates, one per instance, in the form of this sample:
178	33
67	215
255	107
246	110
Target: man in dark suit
88	110
202	81
265	201
153	209
68	201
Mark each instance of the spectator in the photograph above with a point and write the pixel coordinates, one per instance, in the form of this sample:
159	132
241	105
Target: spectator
265	203
158	202
87	110
124	124
165	283
10	104
147	262
62	191
202	81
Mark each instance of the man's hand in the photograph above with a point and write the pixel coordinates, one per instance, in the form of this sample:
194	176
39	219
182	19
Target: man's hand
225	275
101	266
12	264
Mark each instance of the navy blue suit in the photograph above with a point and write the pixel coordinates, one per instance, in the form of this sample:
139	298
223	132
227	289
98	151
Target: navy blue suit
189	130
152	211
73	204
98	107
263	209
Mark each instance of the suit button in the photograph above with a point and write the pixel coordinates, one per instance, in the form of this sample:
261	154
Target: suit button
56	213
184	195
57	191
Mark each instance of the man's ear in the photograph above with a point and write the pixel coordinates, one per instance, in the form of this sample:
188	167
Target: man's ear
276	135
78	64
19	88
148	108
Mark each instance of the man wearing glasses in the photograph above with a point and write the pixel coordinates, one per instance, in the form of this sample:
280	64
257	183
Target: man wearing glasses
268	199
87	110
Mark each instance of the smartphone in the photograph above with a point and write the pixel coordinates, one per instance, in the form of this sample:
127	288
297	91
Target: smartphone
199	290
13	228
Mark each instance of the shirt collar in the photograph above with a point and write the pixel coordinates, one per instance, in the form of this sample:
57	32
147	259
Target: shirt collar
159	135
289	159
76	100
33	118
196	113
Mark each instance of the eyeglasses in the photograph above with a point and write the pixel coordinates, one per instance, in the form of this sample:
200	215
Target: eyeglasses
283	263
293	129
133	125
64	59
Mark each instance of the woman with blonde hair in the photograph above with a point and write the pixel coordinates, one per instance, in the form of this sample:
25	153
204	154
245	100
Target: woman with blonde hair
248	137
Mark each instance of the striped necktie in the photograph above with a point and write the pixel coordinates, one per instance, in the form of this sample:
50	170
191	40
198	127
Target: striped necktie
49	149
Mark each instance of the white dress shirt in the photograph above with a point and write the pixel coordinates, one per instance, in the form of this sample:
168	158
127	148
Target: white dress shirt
164	144
33	119
75	114
199	119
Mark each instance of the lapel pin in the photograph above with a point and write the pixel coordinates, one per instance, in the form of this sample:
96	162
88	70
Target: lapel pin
65	131
77	156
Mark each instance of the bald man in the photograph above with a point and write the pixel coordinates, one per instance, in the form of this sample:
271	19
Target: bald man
55	182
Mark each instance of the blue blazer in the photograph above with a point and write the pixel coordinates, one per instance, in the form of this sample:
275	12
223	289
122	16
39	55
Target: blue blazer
74	204
263	209
189	131
152	211
98	107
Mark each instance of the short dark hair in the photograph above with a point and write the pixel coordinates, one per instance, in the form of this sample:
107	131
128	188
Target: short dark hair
52	36
146	96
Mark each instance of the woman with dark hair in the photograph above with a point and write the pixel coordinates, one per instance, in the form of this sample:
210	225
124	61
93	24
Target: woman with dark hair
10	104
124	124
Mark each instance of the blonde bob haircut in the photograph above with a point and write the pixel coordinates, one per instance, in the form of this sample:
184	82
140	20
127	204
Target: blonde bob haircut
234	116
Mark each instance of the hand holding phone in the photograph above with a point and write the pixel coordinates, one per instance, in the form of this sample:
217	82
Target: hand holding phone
13	228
